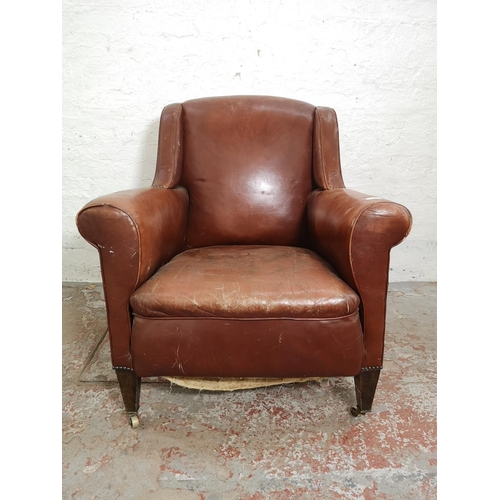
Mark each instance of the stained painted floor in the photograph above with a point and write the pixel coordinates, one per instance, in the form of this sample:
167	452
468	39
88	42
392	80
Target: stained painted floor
284	442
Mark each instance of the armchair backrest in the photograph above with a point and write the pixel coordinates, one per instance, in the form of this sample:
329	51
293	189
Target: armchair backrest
248	165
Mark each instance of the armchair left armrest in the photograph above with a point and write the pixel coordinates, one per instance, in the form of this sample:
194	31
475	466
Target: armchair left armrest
355	232
135	232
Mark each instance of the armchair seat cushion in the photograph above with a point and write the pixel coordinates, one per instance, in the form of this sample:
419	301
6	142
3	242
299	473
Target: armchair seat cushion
245	281
240	311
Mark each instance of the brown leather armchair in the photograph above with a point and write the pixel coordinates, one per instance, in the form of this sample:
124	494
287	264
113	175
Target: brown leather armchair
247	257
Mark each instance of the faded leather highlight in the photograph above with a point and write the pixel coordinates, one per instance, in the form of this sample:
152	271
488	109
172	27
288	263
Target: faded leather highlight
247	168
170	148
355	233
135	232
221	347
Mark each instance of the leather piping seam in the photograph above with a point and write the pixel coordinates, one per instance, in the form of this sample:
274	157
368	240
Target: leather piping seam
225	318
355	221
136	230
339	166
127	312
351	263
325	179
159	155
353	228
409	228
161	163
104	289
351	260
176	150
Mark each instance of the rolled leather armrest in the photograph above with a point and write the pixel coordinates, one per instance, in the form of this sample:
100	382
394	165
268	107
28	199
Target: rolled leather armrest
135	232
355	233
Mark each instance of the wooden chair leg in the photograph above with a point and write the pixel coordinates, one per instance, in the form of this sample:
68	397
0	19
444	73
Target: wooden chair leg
130	385
365	384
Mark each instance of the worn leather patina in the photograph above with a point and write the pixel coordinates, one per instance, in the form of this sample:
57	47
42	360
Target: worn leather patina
247	256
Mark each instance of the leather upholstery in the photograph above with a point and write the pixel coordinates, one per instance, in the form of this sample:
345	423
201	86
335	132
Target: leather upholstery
247	168
245	281
355	233
326	151
246	310
247	256
215	347
135	232
170	148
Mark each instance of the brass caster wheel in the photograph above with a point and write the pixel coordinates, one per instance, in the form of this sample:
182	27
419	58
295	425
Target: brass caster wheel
133	421
355	411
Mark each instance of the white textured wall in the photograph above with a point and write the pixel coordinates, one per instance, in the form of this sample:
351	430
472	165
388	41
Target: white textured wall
373	62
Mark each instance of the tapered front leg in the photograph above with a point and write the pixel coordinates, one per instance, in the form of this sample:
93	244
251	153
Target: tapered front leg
366	385
130	385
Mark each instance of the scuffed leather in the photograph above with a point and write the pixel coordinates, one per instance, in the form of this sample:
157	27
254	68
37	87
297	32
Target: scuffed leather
234	171
135	232
355	233
222	347
247	168
245	282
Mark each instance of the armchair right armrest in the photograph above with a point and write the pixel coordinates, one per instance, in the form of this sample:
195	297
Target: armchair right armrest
355	233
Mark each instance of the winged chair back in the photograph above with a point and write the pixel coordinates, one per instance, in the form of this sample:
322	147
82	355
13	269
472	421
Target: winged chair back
247	164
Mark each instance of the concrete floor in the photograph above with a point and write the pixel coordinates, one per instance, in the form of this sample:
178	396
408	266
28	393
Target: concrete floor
284	442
